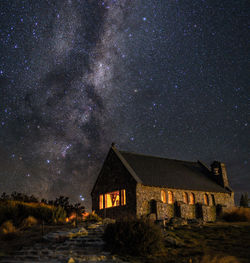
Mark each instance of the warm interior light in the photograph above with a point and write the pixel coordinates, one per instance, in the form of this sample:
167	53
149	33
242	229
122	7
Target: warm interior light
100	202
191	199
170	197
123	197
185	197
112	199
206	202
163	196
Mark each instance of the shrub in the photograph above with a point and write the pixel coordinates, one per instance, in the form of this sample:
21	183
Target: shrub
237	215
29	222
93	217
7	228
134	237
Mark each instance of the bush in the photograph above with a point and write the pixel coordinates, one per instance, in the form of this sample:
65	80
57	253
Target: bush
134	237
7	228
93	217
237	215
29	222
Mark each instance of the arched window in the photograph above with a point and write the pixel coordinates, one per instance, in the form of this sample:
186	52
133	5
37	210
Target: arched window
185	198
192	199
163	196
213	199
170	197
206	200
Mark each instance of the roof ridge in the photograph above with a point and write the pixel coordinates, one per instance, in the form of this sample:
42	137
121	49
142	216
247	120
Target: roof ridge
155	156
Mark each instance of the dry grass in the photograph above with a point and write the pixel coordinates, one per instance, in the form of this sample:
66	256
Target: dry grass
29	222
219	259
240	214
7	228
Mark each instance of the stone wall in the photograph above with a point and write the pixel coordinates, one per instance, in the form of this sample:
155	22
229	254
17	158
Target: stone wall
208	213
187	211
164	211
144	195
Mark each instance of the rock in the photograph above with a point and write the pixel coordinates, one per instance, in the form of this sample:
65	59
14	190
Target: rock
177	221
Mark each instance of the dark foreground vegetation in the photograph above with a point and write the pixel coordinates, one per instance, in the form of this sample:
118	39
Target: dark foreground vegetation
24	220
223	242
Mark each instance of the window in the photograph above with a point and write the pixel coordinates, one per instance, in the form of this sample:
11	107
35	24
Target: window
123	197
192	199
170	197
112	199
163	196
206	200
185	198
213	200
100	202
115	198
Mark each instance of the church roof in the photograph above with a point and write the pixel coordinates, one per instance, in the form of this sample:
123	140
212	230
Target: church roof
163	172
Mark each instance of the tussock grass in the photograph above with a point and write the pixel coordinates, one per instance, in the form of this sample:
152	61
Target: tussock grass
7	228
240	214
29	222
17	211
219	259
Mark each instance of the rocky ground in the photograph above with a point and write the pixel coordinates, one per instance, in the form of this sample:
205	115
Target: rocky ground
68	246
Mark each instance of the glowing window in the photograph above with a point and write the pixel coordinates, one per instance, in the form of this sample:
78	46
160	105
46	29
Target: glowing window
191	199
206	201
100	201
185	197
112	199
123	197
170	197
163	196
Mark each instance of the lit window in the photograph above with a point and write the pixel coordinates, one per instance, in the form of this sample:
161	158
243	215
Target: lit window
191	199
163	196
185	198
123	197
170	197
206	201
112	199
100	202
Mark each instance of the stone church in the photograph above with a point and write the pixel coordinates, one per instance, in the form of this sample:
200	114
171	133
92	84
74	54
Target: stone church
131	184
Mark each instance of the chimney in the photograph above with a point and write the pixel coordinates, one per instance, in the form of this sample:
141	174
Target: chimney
219	173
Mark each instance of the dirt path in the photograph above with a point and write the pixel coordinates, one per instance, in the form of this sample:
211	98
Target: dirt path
72	246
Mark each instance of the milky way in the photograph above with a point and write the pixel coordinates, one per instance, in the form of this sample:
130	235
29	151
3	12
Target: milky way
160	77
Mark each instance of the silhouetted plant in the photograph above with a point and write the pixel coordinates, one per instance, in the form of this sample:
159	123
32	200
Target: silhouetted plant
134	237
244	200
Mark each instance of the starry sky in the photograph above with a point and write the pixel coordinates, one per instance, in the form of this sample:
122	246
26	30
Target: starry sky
166	78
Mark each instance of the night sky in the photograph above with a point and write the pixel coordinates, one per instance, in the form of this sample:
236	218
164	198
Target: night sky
166	78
